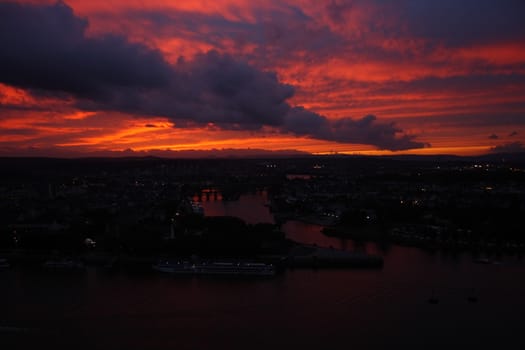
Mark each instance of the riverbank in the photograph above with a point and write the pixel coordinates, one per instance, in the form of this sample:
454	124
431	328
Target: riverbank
298	256
422	237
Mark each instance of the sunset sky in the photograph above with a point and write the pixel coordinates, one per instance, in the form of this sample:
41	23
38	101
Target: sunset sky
123	77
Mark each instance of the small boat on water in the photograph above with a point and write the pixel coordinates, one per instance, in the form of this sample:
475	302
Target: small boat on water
227	268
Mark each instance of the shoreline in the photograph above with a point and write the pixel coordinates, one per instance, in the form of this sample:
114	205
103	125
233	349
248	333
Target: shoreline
299	255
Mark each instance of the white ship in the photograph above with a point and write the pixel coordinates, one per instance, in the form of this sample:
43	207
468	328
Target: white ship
241	268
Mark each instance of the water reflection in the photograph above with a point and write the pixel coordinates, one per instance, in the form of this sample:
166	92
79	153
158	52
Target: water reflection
251	207
303	308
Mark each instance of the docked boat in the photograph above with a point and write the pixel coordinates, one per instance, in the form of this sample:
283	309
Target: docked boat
216	268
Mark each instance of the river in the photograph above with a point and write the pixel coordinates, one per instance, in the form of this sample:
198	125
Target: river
299	309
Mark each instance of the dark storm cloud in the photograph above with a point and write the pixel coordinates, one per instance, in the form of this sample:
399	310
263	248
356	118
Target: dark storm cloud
513	147
50	53
211	88
244	94
367	130
45	47
300	121
347	130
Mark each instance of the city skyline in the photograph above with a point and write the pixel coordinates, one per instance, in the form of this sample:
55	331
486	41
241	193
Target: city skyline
359	77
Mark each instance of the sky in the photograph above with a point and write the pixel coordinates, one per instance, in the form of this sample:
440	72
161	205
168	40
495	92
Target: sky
163	77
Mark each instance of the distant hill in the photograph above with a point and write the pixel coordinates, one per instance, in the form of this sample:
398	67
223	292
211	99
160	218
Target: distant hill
184	154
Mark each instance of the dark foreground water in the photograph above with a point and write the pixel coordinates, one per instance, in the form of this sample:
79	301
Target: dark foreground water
299	309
